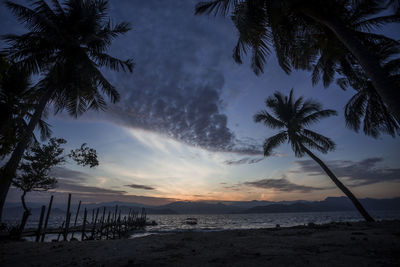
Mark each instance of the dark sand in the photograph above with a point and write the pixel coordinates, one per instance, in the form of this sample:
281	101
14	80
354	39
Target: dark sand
344	244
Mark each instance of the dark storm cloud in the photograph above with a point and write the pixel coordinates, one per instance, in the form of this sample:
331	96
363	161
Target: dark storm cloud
362	172
282	184
178	80
83	189
140	186
177	83
71	181
67	174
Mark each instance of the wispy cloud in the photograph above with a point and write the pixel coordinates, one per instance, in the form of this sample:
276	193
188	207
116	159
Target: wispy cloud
364	172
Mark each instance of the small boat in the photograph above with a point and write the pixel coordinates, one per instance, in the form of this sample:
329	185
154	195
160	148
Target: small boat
191	221
151	223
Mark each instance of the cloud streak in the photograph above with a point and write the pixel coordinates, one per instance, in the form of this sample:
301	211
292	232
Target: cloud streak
282	184
246	160
139	186
363	172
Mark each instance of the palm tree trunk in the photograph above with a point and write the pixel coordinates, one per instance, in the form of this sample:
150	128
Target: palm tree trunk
384	86
8	172
23	202
341	186
25	216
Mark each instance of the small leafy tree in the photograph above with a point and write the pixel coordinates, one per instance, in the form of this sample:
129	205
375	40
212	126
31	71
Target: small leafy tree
34	171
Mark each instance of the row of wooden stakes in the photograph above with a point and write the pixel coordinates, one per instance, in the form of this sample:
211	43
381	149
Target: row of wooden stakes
104	227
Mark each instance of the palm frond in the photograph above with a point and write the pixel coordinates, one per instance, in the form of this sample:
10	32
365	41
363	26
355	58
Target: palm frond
317	116
325	142
268	120
218	7
273	142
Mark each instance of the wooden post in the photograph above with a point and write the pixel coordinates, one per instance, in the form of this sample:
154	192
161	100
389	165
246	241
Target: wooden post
47	218
102	222
108	224
94	224
61	230
115	213
76	218
115	221
92	215
39	230
67	218
84	225
119	224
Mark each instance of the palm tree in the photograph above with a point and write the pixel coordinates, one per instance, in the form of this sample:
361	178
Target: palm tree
366	108
66	44
17	100
293	116
288	25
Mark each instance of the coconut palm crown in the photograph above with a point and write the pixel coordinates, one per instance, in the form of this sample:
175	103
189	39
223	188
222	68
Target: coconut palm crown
67	44
293	116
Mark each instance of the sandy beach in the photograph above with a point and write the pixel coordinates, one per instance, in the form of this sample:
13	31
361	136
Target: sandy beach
335	244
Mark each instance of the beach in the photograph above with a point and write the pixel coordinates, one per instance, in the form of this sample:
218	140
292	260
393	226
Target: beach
333	244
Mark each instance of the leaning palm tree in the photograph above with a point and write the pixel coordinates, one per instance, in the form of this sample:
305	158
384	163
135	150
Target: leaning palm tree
288	25
66	44
293	116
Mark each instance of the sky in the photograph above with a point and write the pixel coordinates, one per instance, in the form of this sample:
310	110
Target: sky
184	130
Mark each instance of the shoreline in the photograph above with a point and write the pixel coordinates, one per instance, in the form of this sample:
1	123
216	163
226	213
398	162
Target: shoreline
333	244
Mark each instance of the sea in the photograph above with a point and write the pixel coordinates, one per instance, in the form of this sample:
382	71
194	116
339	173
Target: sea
218	222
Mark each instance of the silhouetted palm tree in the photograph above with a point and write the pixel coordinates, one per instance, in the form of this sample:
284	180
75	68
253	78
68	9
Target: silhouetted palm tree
293	116
366	108
66	44
287	25
17	100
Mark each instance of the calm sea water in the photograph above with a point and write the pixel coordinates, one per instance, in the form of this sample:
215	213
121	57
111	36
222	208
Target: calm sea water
215	222
168	223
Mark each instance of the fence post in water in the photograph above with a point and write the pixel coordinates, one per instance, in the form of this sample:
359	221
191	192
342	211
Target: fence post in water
119	224
61	230
108	224
47	218
84	225
94	224
39	230
76	218
102	222
115	221
67	218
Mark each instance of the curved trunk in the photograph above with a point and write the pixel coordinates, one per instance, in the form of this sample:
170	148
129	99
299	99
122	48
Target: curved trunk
25	216
11	166
23	202
341	186
384	86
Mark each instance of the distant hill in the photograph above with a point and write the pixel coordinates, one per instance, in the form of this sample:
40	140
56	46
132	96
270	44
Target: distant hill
14	210
329	204
186	207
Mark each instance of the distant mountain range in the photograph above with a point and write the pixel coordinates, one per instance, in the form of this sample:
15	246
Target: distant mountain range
14	210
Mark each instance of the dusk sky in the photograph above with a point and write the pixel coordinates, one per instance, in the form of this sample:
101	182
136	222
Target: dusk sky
184	129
